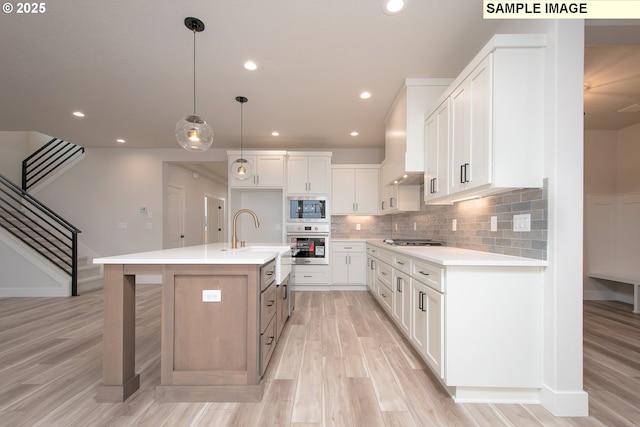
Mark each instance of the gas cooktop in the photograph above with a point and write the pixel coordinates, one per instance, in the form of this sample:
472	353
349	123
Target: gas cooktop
412	242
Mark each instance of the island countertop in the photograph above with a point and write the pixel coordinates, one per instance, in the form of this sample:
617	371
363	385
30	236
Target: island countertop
213	253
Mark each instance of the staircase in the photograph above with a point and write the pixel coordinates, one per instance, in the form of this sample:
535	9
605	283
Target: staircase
33	228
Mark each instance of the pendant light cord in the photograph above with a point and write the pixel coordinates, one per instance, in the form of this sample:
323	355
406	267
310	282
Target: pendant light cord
194	70
241	127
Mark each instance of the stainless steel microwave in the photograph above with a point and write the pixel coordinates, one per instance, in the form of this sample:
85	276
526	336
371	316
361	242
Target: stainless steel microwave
307	209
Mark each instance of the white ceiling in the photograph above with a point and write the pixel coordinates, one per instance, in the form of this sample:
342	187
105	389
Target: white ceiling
129	67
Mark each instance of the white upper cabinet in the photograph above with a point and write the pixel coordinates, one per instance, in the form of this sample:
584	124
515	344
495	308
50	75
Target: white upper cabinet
308	173
404	128
268	169
495	113
355	189
436	178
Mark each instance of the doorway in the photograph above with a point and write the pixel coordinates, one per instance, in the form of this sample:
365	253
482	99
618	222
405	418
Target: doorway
175	216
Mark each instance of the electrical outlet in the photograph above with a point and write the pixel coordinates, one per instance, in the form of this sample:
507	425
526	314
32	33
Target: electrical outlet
415	227
522	222
211	295
494	223
358	227
454	225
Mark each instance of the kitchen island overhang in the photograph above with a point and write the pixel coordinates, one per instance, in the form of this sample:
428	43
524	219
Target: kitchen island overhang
192	366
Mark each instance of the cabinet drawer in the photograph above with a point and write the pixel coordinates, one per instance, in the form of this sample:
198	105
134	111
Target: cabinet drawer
402	263
267	345
267	305
385	273
385	256
429	274
301	276
267	274
384	295
348	246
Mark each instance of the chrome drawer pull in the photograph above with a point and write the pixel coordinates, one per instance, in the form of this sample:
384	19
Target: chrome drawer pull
270	340
271	302
423	273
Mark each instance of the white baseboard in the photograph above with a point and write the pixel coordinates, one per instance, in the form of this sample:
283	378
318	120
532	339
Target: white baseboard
563	403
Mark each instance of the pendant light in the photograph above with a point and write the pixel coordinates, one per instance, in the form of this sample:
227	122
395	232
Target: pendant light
192	132
241	169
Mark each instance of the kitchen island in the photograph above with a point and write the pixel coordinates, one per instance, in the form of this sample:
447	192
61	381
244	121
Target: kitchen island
218	320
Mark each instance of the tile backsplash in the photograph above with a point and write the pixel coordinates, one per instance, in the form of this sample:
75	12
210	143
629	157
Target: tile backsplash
473	219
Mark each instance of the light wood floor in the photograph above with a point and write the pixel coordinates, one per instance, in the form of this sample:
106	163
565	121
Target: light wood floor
340	362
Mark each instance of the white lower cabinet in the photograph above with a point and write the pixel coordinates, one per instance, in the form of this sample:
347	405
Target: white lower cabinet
477	327
348	270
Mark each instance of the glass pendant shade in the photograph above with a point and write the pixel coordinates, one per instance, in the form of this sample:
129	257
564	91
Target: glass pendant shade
194	134
241	169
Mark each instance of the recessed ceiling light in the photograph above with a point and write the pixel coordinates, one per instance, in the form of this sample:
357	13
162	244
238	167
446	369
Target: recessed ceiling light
250	65
393	7
275	133
354	133
78	113
120	140
365	95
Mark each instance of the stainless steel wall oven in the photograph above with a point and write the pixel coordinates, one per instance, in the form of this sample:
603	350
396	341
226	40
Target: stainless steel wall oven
309	243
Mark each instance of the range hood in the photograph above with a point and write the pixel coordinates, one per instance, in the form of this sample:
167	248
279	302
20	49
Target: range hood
404	144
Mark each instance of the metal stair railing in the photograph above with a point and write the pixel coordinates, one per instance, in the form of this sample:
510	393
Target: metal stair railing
46	160
40	228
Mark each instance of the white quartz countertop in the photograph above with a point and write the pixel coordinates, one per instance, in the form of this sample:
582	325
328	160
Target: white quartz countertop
214	253
445	255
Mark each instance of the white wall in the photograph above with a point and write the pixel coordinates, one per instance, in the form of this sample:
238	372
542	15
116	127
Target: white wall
14	151
562	392
628	172
108	188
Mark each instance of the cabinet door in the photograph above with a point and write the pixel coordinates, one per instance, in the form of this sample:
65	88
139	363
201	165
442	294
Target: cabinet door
319	175
480	143
418	317
269	171
459	137
339	267
371	274
402	301
436	183
434	343
357	268
343	191
367	191
297	175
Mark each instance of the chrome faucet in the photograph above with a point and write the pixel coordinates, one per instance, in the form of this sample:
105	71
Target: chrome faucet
234	238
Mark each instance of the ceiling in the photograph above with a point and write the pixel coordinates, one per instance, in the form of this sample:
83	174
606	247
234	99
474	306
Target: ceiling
129	67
